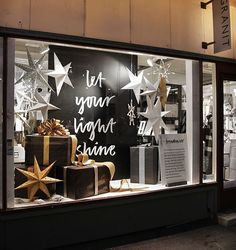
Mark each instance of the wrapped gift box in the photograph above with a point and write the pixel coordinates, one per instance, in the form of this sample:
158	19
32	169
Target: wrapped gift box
20	179
85	181
48	149
144	164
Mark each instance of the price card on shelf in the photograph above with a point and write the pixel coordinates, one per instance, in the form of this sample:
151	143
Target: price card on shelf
173	153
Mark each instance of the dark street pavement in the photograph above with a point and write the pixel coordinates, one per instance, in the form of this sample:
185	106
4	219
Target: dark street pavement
204	238
194	236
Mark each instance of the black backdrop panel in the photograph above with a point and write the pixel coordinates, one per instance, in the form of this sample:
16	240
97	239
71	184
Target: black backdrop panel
96	108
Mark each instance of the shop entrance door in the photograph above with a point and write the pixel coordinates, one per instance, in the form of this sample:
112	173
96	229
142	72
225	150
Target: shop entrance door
227	143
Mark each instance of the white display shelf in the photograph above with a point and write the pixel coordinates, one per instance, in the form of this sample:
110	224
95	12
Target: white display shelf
128	189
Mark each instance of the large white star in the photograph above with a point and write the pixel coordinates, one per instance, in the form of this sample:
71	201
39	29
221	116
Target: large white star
136	84
60	74
154	115
151	89
33	71
43	105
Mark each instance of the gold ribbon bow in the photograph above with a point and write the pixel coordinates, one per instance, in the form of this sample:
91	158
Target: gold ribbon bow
52	127
83	160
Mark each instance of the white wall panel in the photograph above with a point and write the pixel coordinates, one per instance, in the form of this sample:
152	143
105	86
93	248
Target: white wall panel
150	22
186	25
15	14
58	16
108	19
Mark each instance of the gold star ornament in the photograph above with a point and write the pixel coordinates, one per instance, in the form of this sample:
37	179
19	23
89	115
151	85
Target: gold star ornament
37	180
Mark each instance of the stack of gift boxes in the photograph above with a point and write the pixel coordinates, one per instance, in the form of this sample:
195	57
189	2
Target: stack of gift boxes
78	179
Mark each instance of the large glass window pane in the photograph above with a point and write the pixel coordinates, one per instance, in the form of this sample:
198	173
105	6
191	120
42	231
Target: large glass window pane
209	130
229	133
1	119
121	106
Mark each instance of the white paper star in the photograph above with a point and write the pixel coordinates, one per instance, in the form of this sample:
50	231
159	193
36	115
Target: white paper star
23	103
33	71
160	67
43	105
136	84
151	89
154	115
60	74
164	69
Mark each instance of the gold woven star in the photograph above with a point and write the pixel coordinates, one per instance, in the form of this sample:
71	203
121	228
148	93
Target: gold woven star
37	180
164	91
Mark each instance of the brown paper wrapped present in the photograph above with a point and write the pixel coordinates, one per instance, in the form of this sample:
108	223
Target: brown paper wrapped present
49	149
86	178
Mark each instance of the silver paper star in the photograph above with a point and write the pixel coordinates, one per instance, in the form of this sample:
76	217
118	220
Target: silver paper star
60	74
20	111
164	69
43	105
154	115
33	71
151	89
136	84
160	67
131	113
23	103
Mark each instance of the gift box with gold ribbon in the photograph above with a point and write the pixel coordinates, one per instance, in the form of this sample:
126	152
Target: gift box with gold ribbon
84	179
52	143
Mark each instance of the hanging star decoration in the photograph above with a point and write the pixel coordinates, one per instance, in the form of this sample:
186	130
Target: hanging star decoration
37	180
22	103
154	115
136	83
60	74
43	105
160	67
131	113
163	91
151	90
33	71
164	69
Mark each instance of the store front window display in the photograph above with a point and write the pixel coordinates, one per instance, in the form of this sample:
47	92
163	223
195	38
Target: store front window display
95	123
229	109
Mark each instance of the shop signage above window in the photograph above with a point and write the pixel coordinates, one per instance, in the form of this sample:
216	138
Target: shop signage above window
221	22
